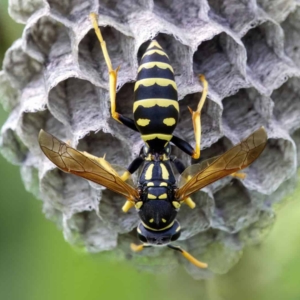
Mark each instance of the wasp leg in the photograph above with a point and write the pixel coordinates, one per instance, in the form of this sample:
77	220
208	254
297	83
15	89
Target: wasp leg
196	118
113	75
137	162
189	257
189	202
182	145
128	204
239	175
138	248
180	167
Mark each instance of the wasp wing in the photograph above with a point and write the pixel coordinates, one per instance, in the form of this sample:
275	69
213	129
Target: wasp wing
84	165
235	159
194	169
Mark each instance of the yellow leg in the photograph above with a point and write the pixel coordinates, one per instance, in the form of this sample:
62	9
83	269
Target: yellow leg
128	204
125	175
189	257
136	248
196	115
239	175
188	201
193	260
113	74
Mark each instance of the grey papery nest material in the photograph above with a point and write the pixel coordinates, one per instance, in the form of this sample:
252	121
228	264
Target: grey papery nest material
55	78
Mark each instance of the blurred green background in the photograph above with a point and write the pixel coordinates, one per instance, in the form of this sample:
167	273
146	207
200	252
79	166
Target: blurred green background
36	262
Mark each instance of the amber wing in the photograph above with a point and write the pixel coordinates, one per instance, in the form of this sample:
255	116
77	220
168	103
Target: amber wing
84	165
235	159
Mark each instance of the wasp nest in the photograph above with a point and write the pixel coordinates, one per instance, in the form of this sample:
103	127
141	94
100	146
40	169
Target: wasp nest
55	78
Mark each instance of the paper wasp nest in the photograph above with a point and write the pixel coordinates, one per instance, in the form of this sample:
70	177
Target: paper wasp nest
55	78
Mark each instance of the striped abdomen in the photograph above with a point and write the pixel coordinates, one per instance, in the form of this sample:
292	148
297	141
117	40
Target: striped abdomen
156	106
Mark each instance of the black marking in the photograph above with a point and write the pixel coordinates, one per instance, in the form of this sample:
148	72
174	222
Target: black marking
155	57
155	72
155	91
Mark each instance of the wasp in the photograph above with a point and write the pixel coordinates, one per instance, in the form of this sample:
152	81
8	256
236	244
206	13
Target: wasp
157	196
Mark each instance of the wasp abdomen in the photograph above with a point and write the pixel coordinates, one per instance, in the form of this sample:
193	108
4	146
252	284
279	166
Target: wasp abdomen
156	106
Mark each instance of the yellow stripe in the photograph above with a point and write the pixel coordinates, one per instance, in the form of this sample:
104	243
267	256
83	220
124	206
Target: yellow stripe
150	184
148	137
150	52
150	65
150	196
152	81
163	184
155	101
153	44
165	173
148	174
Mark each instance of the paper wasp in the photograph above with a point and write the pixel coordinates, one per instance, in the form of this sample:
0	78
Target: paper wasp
157	196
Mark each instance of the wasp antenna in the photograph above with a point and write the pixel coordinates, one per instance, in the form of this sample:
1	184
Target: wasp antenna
189	257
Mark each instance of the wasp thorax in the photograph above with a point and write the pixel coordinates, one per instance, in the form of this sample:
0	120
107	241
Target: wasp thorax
157	214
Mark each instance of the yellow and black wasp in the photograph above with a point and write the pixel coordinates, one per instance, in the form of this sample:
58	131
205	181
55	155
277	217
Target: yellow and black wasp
157	196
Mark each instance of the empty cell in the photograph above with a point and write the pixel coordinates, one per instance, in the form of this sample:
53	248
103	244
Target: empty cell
41	36
210	120
121	10
275	165
9	97
265	57
234	209
12	147
198	219
68	193
20	68
277	9
291	28
179	13
287	104
236	14
91	60
78	104
221	60
86	230
31	123
216	149
241	114
21	11
111	213
73	10
101	143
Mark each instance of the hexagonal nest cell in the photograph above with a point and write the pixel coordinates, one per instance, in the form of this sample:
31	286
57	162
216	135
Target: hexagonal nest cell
55	78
